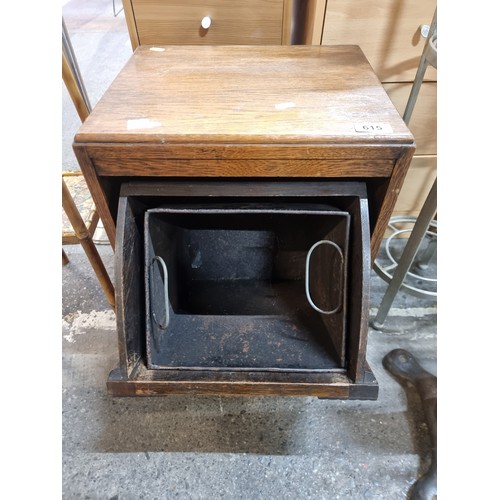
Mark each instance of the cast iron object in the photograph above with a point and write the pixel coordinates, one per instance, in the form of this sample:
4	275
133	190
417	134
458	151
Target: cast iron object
402	365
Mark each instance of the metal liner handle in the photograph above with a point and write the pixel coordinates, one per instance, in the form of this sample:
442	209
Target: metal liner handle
308	258
165	284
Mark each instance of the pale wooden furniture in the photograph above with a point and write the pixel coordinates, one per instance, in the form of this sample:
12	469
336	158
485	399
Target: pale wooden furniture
176	22
82	221
279	124
389	33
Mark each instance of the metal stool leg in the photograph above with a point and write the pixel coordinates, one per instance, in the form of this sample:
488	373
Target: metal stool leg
423	261
422	223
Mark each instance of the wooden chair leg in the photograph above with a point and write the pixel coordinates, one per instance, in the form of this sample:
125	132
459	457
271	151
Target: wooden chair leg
82	106
87	243
65	259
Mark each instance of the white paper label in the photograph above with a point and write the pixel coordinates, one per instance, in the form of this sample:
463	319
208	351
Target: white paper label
142	123
373	128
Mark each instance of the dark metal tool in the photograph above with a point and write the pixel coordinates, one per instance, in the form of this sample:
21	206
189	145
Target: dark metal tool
403	366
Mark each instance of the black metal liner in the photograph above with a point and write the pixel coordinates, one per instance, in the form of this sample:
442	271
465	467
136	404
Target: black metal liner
236	291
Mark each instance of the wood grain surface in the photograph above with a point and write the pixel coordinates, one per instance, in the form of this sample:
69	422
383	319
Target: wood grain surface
230	94
173	22
205	120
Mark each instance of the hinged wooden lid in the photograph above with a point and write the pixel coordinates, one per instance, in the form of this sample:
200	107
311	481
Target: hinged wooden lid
246	95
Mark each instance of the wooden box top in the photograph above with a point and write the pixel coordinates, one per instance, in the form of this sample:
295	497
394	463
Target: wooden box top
246	95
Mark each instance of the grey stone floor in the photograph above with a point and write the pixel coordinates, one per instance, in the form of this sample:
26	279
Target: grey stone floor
214	447
237	447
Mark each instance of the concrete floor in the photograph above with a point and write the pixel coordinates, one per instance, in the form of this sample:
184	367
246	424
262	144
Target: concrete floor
213	447
234	448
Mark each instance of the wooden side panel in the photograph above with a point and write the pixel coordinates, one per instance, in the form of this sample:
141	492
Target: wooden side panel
387	196
130	318
286	32
315	26
128	10
359	290
98	191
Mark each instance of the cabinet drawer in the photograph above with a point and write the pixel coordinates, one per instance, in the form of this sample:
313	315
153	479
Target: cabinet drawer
171	22
388	32
423	122
417	184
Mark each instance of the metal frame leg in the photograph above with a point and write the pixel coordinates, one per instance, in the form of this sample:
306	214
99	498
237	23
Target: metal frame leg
418	233
68	51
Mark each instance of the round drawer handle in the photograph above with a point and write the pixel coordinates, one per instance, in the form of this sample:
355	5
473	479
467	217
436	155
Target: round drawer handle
424	30
206	22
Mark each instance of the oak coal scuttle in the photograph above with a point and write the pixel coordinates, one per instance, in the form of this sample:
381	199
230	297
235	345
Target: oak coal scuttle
245	191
